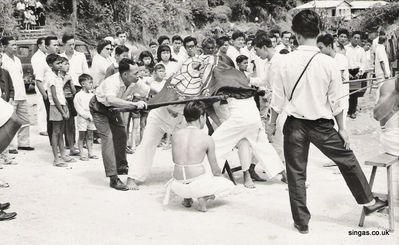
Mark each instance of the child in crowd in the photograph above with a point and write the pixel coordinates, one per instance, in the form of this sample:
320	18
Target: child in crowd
69	93
147	60
84	120
242	63
157	80
58	112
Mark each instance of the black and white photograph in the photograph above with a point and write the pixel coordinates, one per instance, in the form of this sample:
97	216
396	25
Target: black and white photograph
200	122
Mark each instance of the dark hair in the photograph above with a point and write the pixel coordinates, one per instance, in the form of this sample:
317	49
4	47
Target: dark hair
261	41
39	41
194	110
382	33
51	58
124	65
271	35
327	39
260	32
84	77
177	38
6	40
67	24
285	32
284	51
343	31
147	54
162	48
241	58
47	40
237	34
162	38
101	45
275	31
63	59
221	40
120	32
158	67
66	38
356	33
250	38
120	49
189	39
207	41
306	23
152	43
381	39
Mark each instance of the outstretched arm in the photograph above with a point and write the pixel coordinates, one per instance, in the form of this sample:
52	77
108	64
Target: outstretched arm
212	157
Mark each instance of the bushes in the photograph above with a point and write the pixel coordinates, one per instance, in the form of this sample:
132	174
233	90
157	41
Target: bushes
7	21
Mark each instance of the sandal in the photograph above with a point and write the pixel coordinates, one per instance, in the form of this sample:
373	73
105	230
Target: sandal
84	158
69	159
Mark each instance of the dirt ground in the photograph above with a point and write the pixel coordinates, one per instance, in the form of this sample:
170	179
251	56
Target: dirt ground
76	206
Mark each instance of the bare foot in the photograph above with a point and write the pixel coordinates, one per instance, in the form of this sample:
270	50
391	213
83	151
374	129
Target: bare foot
187	202
131	184
248	183
202	202
254	175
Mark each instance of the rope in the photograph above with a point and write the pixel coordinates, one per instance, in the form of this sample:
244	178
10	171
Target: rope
368	86
362	80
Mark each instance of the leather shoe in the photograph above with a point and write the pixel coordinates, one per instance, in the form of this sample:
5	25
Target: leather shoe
118	185
4	206
13	151
379	204
303	229
26	148
7	216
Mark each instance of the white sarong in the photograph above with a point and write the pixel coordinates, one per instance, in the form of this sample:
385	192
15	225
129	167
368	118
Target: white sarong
389	137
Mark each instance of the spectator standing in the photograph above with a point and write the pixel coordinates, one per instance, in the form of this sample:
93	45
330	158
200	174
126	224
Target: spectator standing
153	49
121	52
178	51
13	65
101	61
238	42
165	58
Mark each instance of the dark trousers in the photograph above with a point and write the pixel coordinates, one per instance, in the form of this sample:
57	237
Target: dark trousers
298	134
113	136
353	98
49	124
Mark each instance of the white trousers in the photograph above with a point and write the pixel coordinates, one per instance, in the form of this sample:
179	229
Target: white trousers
41	114
245	122
21	108
159	122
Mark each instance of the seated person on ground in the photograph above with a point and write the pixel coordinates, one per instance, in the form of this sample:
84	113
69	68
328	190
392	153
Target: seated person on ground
189	148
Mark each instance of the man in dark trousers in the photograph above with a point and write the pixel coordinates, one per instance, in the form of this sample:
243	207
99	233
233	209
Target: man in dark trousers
308	86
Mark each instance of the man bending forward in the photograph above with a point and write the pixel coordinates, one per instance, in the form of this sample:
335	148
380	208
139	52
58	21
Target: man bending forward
189	147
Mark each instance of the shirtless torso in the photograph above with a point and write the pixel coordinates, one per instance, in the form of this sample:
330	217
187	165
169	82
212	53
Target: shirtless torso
189	148
388	102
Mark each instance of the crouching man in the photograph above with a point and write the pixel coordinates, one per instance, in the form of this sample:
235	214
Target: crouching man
189	148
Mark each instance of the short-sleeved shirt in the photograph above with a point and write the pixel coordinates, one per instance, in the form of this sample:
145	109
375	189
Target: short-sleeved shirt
381	55
53	80
99	68
14	68
111	86
40	66
81	103
77	66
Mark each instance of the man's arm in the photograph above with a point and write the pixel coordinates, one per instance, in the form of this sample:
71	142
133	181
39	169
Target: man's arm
39	85
212	157
382	64
384	104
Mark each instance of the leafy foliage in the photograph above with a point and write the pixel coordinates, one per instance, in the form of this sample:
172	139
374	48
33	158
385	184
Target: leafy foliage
7	21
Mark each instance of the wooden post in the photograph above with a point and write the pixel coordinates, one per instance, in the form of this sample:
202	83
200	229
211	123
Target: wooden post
74	16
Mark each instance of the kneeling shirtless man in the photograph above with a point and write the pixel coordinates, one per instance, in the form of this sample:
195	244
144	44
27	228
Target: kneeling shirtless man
189	148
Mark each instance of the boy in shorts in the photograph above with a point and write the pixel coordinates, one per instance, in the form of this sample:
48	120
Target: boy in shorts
84	119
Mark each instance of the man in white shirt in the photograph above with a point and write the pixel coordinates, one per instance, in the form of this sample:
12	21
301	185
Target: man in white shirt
77	60
356	63
40	68
36	62
285	42
178	51
13	65
109	123
234	50
311	85
382	69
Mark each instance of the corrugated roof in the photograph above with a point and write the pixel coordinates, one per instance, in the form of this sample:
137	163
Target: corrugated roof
367	4
321	4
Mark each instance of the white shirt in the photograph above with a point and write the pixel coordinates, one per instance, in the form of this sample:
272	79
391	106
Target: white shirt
381	55
99	68
356	57
170	68
262	76
53	80
342	64
233	53
14	67
317	92
20	6
181	56
281	46
6	111
82	102
111	86
77	66
156	86
40	66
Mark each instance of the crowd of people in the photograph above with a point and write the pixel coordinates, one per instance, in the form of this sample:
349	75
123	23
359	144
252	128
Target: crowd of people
284	91
30	13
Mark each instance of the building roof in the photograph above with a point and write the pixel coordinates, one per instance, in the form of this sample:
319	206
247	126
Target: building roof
321	4
367	4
